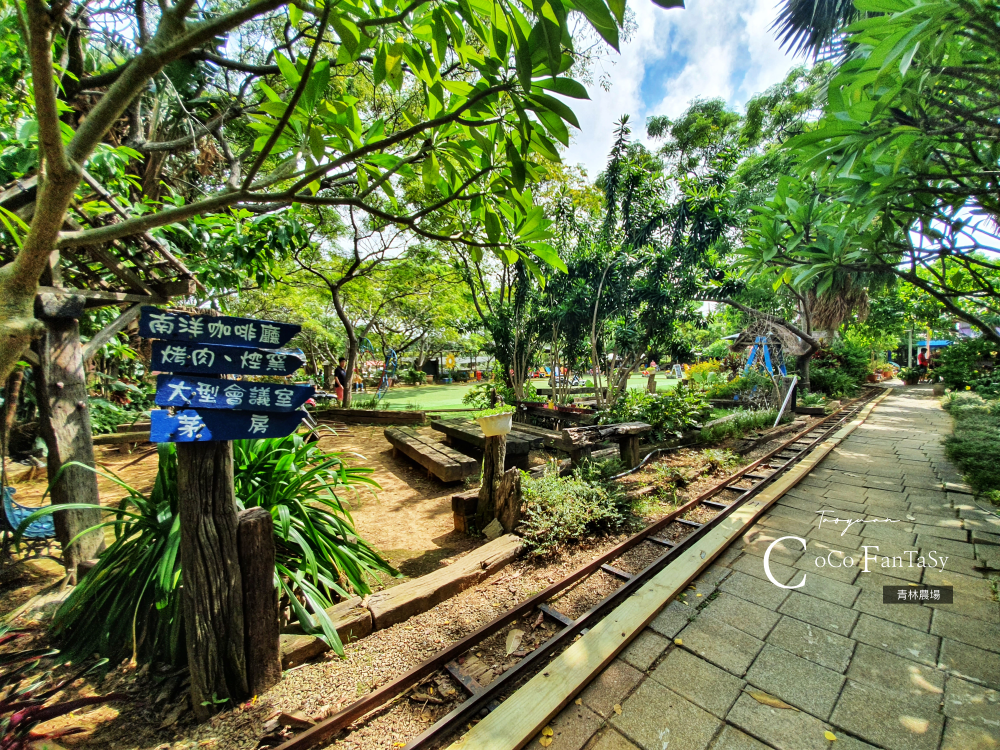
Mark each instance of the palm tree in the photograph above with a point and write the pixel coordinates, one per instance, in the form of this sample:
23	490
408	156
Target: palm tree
812	25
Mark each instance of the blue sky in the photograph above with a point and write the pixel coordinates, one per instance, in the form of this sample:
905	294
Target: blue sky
711	48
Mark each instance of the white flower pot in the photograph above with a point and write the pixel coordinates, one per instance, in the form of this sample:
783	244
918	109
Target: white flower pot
496	424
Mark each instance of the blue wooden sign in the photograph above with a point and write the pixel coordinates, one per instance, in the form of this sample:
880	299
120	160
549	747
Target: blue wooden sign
211	359
210	393
208	329
206	425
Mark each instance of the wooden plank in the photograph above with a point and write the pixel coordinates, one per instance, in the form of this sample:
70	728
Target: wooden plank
523	715
445	463
116	438
469	431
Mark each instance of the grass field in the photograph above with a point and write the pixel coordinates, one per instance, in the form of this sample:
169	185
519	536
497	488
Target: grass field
434	397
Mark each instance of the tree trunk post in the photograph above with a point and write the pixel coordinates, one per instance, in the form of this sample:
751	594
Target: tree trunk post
212	595
628	451
651	383
508	499
255	536
328	376
802	367
65	426
494	455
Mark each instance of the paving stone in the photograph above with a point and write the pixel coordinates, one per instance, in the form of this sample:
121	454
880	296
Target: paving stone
967	585
874	533
902	641
970	606
940	532
984	537
732	738
847	493
854	505
971	702
754	566
756	589
721	644
884	491
813	643
786	524
645	649
895	676
947	546
818	562
972	663
610	687
846	742
713	576
806	517
654	718
759	540
780	728
672	619
928	519
915	616
961	735
702	683
573	727
823	587
887	720
743	615
830	536
978	633
609	739
826	615
801	683
961	565
799	503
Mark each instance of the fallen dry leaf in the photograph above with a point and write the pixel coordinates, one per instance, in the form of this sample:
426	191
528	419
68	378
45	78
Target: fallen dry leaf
678	642
547	732
618	709
769	700
514	640
830	735
544	741
579	701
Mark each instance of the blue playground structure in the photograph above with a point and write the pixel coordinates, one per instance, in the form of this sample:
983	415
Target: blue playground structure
766	356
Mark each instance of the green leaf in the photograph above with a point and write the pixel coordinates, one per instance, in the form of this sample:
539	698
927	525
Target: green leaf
554	105
566	87
516	164
288	70
494	231
294	15
599	16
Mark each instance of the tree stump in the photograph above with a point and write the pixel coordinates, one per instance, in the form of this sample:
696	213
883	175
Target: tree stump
328	384
212	595
494	455
508	499
61	383
261	631
628	450
651	383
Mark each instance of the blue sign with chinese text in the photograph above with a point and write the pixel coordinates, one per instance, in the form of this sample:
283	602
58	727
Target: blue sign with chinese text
210	393
209	359
210	329
207	425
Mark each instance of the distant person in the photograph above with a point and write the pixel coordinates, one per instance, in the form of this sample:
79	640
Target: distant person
923	361
340	379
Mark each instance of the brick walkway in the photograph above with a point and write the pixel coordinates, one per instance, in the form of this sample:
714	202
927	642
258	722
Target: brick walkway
909	676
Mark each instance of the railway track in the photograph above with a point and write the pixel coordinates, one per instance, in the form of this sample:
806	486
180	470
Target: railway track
670	536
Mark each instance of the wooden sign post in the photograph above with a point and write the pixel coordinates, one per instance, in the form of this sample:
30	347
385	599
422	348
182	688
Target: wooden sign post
229	599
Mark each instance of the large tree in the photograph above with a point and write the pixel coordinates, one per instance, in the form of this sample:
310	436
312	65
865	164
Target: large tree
349	105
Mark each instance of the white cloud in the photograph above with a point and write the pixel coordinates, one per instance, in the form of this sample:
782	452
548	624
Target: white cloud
712	48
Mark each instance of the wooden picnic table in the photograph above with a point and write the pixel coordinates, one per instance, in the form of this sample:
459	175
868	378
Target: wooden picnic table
445	463
461	432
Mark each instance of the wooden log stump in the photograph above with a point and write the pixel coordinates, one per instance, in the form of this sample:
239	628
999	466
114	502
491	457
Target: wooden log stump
651	383
628	448
508	499
212	595
261	630
494	455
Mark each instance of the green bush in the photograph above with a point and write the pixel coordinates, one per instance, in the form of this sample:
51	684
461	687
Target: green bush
558	510
128	605
832	381
742	423
106	416
740	386
717	350
972	362
412	376
839	369
975	443
479	395
671	413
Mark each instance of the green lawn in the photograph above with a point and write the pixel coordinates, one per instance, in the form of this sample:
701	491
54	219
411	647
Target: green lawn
433	397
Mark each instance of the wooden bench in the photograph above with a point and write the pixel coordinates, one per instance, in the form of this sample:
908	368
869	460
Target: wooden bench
447	464
580	441
467	432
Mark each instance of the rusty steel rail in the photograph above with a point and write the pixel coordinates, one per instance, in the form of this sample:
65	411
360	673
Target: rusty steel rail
324	730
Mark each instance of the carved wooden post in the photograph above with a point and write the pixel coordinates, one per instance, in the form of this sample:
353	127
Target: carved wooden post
255	537
328	376
213	590
61	384
508	499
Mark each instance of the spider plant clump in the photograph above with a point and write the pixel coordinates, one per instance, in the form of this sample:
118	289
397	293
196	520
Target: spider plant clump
129	606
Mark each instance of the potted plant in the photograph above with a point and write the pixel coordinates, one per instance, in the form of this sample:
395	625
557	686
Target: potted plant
496	421
910	375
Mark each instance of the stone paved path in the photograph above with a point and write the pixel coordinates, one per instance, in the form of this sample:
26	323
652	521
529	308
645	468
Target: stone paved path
911	676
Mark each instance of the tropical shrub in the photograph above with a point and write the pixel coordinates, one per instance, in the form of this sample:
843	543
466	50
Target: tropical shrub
966	362
106	416
671	413
909	374
832	381
975	442
412	376
558	509
128	605
743	422
740	386
479	395
717	349
702	368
